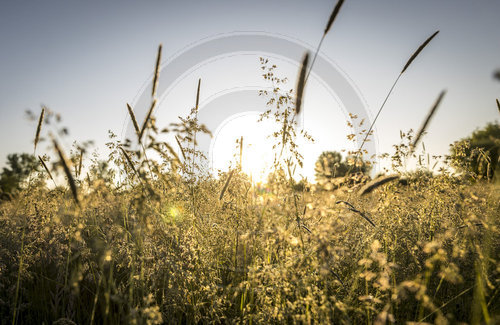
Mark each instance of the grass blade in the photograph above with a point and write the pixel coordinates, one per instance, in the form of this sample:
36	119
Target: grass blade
301	83
427	119
417	52
498	105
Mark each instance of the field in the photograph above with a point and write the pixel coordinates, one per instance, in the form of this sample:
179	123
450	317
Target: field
170	250
143	240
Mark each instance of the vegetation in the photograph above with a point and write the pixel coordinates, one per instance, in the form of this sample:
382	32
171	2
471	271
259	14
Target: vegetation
330	167
15	174
148	241
479	154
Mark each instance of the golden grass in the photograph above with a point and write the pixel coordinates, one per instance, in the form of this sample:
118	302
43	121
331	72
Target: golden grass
180	147
226	185
134	120
370	186
127	157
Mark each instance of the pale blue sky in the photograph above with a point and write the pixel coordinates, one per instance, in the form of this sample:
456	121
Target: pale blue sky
86	59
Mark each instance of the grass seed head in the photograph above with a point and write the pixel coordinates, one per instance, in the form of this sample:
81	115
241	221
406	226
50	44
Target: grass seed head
67	171
301	83
417	52
428	118
39	127
157	72
333	16
134	120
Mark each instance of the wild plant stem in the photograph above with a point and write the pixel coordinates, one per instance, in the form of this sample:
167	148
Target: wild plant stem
18	282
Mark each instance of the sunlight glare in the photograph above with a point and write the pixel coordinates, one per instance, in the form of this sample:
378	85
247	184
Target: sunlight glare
257	155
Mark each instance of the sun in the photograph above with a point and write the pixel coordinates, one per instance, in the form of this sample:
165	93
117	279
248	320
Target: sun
257	152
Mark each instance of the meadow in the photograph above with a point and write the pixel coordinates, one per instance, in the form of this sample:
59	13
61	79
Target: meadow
138	240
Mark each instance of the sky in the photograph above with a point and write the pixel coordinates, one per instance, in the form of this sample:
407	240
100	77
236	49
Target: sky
87	59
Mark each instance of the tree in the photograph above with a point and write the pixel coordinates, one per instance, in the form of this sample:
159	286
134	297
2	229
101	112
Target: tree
478	155
12	177
331	165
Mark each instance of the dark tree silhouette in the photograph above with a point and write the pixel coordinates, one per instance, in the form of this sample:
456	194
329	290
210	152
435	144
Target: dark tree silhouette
18	169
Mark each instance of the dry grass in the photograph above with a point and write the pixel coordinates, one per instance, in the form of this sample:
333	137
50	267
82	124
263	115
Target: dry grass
146	120
156	72
39	127
301	83
67	171
417	52
133	119
428	119
379	181
162	246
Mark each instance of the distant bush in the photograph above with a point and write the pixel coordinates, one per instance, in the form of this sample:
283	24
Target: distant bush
12	177
478	154
331	165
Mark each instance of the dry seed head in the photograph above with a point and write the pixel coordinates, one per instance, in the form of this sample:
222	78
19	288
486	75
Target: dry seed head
80	163
226	185
241	149
427	119
198	94
376	183
47	170
127	157
157	72
39	127
180	147
67	171
417	52
301	83
333	15
132	117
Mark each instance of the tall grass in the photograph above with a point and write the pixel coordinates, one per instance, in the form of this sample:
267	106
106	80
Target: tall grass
133	245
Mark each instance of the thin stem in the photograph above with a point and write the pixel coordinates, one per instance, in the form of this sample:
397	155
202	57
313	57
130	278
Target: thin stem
315	55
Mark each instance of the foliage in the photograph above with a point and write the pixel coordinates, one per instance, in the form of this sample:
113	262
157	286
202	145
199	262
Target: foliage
18	170
330	165
479	154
